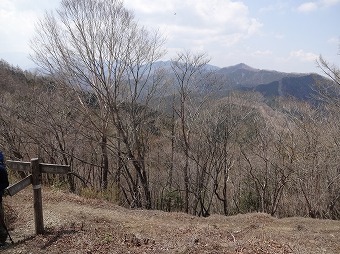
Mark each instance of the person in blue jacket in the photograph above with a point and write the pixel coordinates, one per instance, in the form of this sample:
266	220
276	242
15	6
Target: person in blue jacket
3	185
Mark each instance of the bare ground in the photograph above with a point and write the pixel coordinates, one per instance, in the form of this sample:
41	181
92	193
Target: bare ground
77	225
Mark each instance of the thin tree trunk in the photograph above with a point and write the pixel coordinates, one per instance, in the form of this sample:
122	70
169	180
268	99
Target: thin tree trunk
104	163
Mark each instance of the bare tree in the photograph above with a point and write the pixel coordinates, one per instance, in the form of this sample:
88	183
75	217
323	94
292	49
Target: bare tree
189	74
316	167
331	70
97	46
226	120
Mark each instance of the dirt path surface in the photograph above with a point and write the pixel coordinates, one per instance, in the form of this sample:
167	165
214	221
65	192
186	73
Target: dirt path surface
78	225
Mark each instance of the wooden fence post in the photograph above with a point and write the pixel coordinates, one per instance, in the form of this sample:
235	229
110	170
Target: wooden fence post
37	170
36	182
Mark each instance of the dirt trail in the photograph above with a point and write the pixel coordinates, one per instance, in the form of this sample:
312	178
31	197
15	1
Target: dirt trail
78	225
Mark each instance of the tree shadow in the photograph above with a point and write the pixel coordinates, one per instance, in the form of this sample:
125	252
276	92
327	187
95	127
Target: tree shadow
52	233
56	234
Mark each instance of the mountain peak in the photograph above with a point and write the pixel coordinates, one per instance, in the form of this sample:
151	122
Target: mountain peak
243	66
240	66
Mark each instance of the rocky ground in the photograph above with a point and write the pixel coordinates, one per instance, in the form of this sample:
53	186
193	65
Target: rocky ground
78	225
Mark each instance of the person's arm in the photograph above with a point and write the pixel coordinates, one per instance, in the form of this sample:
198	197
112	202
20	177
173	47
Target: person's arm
3	179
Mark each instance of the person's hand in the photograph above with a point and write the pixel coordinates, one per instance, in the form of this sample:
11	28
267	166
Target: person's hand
5	193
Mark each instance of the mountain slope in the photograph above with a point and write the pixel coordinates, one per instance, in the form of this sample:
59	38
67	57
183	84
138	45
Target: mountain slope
246	76
300	87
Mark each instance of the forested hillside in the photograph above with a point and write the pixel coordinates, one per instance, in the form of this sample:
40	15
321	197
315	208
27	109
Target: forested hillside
188	152
184	136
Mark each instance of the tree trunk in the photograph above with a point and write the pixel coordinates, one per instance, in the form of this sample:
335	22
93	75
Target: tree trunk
105	162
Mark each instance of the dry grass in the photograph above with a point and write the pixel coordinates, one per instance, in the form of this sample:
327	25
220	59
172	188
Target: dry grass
78	225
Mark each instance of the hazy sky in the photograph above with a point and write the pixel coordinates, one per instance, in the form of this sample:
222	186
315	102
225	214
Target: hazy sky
267	34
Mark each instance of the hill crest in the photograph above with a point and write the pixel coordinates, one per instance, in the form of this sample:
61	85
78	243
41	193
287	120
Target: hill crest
75	224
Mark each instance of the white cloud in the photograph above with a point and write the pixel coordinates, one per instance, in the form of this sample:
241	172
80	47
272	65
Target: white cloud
149	6
329	3
17	22
303	56
16	27
192	24
308	7
315	5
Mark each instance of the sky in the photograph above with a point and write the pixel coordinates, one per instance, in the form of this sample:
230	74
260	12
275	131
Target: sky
286	36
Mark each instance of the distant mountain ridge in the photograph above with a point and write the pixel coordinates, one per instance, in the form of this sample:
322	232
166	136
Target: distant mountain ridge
302	86
246	76
270	83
